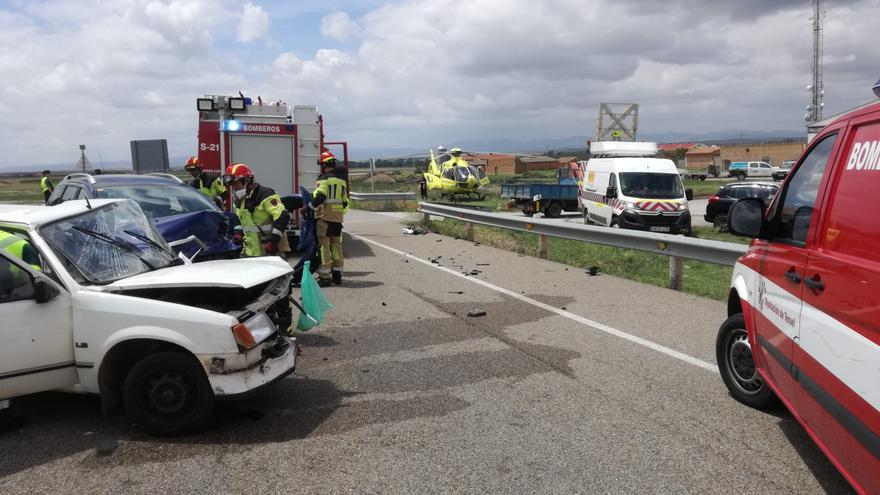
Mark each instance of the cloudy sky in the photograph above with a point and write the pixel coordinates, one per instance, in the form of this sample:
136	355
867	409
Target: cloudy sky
416	73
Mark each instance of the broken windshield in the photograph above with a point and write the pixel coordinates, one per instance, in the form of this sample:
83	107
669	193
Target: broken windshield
109	243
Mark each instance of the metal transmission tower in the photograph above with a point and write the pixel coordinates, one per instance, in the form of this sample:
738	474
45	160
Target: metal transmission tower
83	163
816	89
617	122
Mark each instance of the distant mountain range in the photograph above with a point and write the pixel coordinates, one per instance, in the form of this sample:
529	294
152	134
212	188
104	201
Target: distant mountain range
500	145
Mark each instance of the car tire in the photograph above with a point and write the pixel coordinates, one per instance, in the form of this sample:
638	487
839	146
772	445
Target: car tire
740	176
720	223
586	217
168	394
733	353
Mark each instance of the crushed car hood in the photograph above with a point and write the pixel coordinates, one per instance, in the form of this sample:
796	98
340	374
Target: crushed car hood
240	274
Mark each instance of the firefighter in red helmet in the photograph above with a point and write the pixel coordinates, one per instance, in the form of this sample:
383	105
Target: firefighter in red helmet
263	216
209	185
330	204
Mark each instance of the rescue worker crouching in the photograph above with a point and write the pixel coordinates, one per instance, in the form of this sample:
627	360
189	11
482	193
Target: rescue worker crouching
209	185
20	248
262	214
330	204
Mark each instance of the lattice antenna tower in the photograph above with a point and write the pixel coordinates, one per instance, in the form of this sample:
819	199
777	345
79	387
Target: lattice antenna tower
816	86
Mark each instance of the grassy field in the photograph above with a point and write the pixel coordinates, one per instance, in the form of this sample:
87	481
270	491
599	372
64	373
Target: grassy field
701	279
22	190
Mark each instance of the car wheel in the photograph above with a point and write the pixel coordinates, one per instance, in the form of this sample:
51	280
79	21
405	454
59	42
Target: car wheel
737	366
553	210
720	223
614	223
168	394
586	217
740	176
702	178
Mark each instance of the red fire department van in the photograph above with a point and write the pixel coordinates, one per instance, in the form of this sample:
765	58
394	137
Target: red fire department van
804	303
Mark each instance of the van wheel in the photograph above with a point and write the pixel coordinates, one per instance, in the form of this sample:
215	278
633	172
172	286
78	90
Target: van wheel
586	217
740	176
614	224
737	366
720	223
168	394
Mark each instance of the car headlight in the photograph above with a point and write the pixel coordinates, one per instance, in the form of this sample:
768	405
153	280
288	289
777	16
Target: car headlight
630	205
682	206
253	331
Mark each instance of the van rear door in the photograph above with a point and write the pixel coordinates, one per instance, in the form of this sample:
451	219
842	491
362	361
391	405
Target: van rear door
838	359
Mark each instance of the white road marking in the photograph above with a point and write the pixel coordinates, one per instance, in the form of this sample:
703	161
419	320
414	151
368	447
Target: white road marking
571	316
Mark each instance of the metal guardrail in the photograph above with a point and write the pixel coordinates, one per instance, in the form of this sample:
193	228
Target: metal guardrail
676	246
396	196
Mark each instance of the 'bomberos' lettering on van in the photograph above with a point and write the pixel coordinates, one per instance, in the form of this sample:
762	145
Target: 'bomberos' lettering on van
864	156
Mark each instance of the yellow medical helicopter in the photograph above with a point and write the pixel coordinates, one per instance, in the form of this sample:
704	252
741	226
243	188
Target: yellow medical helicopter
455	177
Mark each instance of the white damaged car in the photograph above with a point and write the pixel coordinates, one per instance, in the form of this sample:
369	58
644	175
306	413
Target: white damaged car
107	308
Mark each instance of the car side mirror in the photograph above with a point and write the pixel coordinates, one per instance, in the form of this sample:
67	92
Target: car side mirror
44	291
746	218
611	192
689	194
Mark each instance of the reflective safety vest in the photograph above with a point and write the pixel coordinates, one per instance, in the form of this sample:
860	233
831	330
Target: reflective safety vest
335	204
209	186
20	248
259	224
45	184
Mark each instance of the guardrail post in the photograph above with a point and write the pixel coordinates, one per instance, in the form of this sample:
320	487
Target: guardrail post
542	246
676	273
426	218
470	232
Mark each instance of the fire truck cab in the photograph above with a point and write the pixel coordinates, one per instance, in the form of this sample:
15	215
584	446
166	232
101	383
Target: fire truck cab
804	303
280	144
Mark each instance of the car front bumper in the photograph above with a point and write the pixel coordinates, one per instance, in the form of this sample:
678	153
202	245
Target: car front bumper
274	364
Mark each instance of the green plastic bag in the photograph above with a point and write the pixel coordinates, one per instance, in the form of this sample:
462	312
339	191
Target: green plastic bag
313	301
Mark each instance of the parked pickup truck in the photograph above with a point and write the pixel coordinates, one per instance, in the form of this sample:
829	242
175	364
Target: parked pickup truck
549	199
701	175
96	302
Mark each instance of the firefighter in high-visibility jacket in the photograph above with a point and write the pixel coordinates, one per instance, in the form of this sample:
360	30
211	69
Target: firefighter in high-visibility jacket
46	186
209	185
20	248
262	214
330	204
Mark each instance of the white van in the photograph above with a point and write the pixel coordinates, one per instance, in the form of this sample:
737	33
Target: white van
625	186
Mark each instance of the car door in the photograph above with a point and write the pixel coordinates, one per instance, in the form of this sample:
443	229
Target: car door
839	354
37	351
781	265
765	170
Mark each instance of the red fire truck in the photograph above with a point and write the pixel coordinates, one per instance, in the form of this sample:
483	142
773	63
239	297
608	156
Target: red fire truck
280	144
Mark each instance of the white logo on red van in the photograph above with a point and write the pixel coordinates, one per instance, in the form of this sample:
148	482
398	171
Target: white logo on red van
864	156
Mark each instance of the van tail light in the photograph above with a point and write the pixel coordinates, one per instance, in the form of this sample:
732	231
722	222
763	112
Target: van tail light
713	199
243	336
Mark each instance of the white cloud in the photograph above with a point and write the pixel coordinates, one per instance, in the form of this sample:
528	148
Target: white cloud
417	72
339	26
254	23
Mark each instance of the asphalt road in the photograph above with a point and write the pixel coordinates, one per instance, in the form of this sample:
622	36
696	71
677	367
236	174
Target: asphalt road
568	384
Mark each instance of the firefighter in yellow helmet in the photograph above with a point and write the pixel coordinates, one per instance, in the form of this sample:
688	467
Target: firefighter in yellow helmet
263	216
20	248
46	186
330	204
455	159
209	185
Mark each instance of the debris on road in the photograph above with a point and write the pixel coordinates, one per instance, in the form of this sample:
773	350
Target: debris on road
414	230
456	292
592	271
476	312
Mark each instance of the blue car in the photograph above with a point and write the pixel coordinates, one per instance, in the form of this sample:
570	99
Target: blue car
178	209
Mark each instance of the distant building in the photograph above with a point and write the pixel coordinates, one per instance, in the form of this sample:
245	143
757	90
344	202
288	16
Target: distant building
530	163
773	153
701	156
493	163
